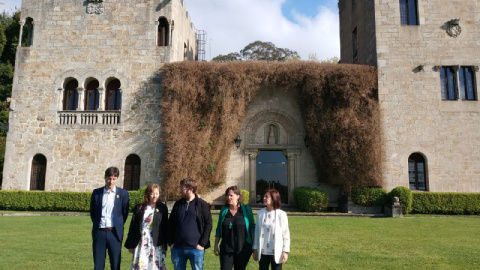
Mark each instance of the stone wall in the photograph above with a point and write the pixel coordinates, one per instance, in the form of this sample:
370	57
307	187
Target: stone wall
415	119
72	40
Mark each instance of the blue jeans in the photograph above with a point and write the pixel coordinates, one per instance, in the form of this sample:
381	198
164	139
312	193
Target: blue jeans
180	257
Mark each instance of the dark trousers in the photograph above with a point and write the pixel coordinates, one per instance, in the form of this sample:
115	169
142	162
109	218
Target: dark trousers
266	260
237	261
106	240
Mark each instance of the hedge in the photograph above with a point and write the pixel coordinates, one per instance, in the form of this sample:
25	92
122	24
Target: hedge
21	200
446	203
245	196
310	199
370	196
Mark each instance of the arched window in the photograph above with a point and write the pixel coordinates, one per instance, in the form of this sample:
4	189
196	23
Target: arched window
114	96
70	95
417	172
163	32
92	96
132	172
39	169
27	33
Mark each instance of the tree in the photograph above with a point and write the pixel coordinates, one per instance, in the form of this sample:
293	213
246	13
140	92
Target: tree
9	29
267	51
261	51
11	26
314	58
235	56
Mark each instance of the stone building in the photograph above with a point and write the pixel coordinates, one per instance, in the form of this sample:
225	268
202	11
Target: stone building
86	91
428	56
86	94
87	86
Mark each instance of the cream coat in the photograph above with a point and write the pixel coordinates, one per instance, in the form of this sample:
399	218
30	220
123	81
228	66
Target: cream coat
282	233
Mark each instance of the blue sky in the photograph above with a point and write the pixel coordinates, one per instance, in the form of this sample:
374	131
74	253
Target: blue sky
308	8
309	27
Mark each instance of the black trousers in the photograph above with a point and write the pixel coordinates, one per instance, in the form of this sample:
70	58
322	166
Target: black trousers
266	260
237	261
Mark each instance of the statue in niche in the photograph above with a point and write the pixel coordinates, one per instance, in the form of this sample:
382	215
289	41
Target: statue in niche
272	134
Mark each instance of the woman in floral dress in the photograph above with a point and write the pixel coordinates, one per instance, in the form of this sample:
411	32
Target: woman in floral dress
147	234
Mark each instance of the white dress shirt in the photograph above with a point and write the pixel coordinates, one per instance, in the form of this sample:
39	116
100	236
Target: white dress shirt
108	201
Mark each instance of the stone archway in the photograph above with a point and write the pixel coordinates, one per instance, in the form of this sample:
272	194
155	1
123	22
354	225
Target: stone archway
273	130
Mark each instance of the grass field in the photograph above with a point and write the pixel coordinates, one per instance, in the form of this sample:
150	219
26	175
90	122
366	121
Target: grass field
64	242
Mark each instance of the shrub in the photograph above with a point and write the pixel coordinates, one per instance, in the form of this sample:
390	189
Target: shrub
370	196
22	200
447	203
404	195
245	196
310	199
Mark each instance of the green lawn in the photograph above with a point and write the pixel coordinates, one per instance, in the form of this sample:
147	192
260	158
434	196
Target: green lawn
64	242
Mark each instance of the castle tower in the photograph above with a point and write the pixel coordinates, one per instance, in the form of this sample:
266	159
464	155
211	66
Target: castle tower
86	91
428	56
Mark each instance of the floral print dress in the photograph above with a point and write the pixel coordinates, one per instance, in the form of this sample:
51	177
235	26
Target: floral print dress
146	256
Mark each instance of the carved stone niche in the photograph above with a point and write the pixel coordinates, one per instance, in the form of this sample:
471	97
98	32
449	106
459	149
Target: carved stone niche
95	7
271	128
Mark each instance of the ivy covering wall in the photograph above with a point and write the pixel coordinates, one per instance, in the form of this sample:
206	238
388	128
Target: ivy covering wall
203	106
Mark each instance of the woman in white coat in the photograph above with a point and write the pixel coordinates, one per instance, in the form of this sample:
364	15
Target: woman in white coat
271	243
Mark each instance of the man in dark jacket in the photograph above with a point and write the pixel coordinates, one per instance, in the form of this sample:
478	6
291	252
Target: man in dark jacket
109	207
189	227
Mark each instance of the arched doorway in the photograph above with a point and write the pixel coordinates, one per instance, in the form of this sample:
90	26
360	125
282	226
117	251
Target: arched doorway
37	175
132	172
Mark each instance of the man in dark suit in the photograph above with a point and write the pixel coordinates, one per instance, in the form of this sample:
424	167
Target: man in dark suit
109	206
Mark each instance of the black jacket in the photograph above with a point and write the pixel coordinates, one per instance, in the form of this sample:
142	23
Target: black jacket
204	221
159	226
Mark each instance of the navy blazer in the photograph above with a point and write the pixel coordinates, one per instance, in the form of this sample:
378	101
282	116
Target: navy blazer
159	226
120	210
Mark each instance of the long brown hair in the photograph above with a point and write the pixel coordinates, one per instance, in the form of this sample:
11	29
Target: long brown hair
150	188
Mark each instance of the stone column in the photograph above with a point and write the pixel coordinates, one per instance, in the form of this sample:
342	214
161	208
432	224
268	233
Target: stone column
292	172
22	23
60	99
101	99
81	97
156	24
252	156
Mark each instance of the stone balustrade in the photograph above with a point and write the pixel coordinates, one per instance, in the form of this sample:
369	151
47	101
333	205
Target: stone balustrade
88	118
